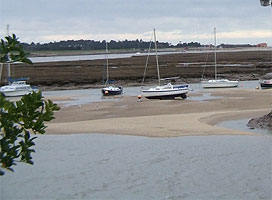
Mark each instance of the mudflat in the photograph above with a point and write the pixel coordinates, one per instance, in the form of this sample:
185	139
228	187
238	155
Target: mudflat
163	118
190	66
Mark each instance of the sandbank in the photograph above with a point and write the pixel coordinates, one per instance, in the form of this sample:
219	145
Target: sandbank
164	118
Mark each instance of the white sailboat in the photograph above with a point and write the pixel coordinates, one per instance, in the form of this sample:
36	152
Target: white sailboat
110	89
167	91
266	81
218	83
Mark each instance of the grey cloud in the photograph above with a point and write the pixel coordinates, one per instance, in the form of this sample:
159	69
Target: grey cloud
34	18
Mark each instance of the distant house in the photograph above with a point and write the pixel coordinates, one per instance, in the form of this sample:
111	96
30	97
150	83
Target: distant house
262	45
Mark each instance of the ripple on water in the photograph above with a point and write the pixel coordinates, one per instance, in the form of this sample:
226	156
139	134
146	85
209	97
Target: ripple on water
96	166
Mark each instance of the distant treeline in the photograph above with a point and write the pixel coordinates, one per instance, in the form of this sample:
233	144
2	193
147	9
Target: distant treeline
101	45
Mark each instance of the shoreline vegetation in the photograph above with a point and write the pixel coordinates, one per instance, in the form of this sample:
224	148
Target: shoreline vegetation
126	45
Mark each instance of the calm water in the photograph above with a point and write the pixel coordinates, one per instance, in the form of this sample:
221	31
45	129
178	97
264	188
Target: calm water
91	57
242	125
78	57
111	167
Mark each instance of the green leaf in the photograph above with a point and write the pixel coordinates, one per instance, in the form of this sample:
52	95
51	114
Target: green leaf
18	121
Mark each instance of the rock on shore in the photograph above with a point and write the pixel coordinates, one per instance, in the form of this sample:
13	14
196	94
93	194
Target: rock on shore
261	122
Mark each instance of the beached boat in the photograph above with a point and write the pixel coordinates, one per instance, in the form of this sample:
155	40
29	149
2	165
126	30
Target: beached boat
266	81
218	83
110	89
166	91
266	84
16	88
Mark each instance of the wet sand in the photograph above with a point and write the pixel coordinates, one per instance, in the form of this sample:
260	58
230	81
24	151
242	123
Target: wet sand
163	118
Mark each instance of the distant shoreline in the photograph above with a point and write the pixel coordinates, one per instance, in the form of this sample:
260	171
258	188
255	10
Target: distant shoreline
54	53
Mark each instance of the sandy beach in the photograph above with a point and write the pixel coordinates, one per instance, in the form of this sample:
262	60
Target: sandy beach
163	118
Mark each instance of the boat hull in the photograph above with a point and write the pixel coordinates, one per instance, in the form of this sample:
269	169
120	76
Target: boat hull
16	88
219	84
16	93
168	91
165	94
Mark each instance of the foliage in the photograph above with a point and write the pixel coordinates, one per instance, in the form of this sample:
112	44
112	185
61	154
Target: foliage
18	120
126	44
93	45
12	51
21	118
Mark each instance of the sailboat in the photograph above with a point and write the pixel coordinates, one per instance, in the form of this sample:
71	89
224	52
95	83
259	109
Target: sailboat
166	91
110	89
266	81
218	83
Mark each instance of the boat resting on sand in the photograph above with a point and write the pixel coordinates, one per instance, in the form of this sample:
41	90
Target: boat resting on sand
167	91
112	90
219	83
266	84
164	91
16	88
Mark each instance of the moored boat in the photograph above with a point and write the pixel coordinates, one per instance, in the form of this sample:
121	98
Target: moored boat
16	88
266	81
110	89
166	91
218	83
265	84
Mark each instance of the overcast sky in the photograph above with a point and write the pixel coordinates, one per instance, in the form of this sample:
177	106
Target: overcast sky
236	21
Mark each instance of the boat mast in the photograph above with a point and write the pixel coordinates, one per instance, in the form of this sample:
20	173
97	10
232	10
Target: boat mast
107	61
215	67
8	54
157	60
